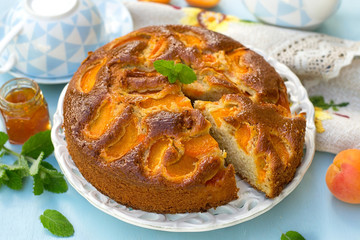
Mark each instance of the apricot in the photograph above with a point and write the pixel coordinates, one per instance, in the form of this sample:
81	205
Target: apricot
203	3
156	1
343	176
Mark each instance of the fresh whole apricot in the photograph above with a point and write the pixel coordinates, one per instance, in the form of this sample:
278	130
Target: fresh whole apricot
203	3
343	176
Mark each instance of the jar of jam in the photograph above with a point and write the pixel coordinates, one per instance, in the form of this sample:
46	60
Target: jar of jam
24	109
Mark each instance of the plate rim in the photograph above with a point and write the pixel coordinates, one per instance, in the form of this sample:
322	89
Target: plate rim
303	104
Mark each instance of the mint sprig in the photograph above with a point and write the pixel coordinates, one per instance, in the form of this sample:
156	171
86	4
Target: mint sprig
319	101
292	235
34	151
174	72
57	223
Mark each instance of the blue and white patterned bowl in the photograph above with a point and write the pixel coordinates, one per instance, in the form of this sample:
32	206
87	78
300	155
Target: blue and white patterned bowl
51	41
303	14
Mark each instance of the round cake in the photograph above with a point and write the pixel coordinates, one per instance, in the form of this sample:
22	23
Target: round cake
170	147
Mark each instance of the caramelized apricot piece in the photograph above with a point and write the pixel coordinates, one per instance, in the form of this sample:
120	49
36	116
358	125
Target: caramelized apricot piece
190	40
185	165
200	145
167	101
193	90
159	46
242	136
124	144
260	163
208	58
156	153
220	114
88	79
235	61
103	119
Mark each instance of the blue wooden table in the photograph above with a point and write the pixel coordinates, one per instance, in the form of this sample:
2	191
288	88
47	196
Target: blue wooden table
310	209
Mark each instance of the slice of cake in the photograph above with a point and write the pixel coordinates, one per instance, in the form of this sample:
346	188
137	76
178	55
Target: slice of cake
263	141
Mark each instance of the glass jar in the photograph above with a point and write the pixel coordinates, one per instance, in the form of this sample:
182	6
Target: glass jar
24	109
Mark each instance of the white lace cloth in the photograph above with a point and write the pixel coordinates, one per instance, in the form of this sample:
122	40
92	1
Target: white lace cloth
327	67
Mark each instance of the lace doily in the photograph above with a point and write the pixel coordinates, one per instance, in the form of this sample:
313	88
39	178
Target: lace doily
316	56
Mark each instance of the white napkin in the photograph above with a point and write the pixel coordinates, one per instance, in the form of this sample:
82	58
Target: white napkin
327	66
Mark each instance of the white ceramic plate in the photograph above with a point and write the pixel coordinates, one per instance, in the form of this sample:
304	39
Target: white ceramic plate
250	204
116	25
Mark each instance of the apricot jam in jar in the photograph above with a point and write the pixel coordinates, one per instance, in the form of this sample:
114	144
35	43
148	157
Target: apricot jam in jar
24	109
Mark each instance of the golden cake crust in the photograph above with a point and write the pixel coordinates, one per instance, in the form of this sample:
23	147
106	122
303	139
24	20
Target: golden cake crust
138	139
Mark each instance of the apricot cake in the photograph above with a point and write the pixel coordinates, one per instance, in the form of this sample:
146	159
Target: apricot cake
158	146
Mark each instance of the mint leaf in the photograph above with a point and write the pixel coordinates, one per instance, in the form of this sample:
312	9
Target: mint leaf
292	235
55	183
178	68
38	186
3	138
40	142
22	162
319	101
34	169
15	173
186	75
172	78
23	167
57	223
12	175
14	180
13	167
164	67
47	165
179	71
